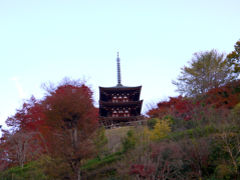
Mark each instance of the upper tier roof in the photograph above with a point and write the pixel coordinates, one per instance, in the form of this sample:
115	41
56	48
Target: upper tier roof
129	103
120	88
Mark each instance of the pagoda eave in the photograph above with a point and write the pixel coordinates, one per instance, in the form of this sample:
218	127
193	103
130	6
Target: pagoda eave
109	122
114	104
120	88
114	120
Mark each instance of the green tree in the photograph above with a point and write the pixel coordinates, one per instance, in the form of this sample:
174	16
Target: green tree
129	141
234	57
151	123
206	70
100	142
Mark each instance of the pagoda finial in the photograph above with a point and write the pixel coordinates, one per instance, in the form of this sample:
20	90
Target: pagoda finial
118	70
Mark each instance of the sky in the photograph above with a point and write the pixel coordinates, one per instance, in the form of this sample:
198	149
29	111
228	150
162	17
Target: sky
44	41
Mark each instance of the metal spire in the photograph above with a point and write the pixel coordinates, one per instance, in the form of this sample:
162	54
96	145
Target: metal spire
118	70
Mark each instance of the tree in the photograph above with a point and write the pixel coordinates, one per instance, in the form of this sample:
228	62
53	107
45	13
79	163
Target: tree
206	70
61	126
129	142
225	97
162	160
100	142
29	117
23	141
4	162
234	57
161	129
195	154
72	121
151	123
180	108
21	147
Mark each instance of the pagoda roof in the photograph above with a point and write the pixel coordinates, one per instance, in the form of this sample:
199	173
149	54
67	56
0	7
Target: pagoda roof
120	88
129	103
121	118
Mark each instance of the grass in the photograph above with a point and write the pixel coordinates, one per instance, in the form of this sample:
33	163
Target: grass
97	162
115	137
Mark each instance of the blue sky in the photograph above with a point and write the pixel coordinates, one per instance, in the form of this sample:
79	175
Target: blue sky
47	40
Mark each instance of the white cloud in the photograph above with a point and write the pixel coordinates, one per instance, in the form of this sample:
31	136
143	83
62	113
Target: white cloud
19	87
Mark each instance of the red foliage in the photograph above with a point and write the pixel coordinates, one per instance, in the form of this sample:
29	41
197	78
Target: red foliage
225	97
177	106
222	98
71	105
163	162
55	117
143	171
72	120
29	118
3	153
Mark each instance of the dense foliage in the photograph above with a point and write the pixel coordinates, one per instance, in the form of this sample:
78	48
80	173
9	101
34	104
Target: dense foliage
234	57
206	70
196	136
61	127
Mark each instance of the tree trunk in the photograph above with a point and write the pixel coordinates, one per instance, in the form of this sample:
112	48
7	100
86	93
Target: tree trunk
76	172
76	164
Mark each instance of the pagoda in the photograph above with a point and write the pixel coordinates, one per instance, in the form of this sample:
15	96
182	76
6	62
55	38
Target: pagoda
119	105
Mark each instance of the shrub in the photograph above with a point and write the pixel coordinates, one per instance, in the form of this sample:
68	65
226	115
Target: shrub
129	141
151	123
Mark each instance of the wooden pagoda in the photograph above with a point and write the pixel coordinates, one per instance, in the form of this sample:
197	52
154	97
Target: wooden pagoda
119	105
